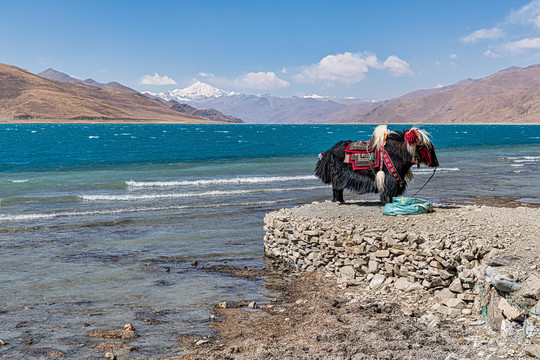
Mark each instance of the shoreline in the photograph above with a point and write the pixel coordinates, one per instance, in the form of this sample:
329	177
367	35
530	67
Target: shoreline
149	121
317	317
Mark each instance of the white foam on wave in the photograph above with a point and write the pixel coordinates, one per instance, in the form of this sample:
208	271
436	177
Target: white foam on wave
206	182
215	193
19	181
524	159
430	170
45	216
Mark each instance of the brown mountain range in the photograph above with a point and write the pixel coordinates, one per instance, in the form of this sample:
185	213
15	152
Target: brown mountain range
28	97
509	96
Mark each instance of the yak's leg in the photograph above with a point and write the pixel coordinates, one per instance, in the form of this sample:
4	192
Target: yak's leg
385	198
338	195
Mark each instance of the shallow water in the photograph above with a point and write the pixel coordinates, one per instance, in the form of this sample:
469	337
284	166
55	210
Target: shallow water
100	224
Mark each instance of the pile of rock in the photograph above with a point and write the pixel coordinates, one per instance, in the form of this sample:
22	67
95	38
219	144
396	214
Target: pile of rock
510	308
361	253
476	265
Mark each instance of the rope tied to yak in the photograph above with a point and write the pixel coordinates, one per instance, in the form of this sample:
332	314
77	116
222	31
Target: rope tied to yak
433	174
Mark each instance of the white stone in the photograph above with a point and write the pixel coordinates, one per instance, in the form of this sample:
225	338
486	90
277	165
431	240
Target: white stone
378	279
404	284
347	272
454	303
456	286
512	313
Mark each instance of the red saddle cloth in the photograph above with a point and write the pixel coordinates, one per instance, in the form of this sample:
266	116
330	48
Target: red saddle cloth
362	155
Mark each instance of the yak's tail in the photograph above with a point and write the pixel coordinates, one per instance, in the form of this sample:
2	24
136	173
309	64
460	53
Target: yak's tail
323	168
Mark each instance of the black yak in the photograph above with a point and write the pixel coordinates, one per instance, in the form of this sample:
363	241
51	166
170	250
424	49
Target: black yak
381	165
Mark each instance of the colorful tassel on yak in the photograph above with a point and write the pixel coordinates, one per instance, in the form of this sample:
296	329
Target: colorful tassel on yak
411	137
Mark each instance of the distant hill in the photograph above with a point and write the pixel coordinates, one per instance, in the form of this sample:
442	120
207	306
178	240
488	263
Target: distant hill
264	109
28	97
509	96
113	86
211	114
52	74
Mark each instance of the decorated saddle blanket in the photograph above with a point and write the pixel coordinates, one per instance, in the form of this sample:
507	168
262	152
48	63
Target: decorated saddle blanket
362	155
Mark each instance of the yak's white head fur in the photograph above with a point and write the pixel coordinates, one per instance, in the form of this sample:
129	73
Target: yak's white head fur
379	135
423	140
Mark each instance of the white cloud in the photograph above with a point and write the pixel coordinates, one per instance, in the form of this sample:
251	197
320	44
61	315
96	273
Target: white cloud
453	56
156	79
527	15
491	54
261	81
397	66
350	68
524	44
205	74
347	68
487	34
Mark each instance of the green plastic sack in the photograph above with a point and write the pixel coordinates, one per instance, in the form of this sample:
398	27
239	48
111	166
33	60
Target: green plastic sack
407	206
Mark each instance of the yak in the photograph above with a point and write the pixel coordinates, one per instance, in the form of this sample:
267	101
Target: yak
382	165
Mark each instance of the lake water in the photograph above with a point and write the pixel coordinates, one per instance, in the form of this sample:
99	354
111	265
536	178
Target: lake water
100	224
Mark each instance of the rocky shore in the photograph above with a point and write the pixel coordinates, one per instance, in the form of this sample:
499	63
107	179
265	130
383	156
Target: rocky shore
350	283
368	286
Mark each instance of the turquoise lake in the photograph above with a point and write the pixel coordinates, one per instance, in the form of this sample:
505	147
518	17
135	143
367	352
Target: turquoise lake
100	224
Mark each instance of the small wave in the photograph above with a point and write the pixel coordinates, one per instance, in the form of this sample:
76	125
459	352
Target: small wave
529	200
524	159
93	137
45	216
19	181
215	193
206	182
430	170
29	200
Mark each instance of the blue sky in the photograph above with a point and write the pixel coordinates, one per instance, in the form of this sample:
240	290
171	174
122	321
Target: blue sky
362	49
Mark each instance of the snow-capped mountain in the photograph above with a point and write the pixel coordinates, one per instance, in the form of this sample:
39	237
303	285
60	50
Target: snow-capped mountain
265	109
196	92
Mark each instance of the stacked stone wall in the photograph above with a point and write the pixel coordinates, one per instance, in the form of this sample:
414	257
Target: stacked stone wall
361	253
465	261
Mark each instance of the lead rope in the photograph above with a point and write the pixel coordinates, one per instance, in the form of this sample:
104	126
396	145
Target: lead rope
426	182
371	159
